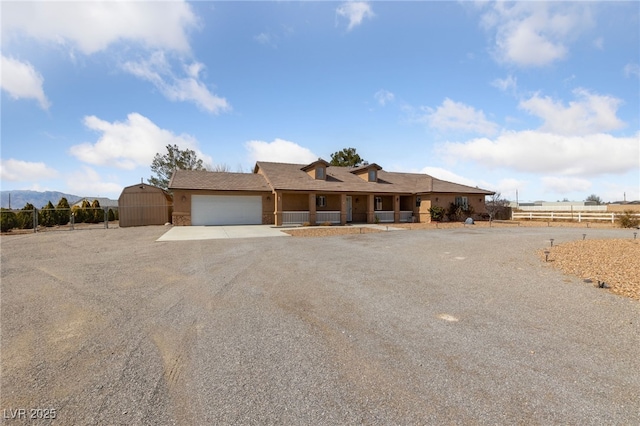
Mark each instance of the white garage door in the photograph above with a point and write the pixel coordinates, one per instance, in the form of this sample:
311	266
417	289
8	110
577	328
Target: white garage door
226	210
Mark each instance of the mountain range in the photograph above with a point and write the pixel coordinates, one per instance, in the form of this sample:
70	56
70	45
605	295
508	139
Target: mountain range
19	198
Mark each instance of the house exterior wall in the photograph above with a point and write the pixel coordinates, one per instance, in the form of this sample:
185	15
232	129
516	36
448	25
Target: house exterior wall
182	204
359	207
295	202
422	211
142	205
444	200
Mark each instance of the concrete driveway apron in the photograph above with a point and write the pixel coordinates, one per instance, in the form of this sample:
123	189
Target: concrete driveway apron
189	233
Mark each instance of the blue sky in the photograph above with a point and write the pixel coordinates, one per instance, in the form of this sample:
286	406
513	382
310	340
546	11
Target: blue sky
543	98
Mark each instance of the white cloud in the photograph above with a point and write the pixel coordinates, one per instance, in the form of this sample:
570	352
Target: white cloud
510	83
93	26
535	33
188	87
89	182
540	152
589	114
448	175
266	39
21	80
457	116
507	187
384	96
25	171
355	12
599	43
279	151
631	70
129	144
564	185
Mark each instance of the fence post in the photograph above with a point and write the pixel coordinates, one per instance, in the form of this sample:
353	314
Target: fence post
613	216
579	217
106	218
35	220
72	220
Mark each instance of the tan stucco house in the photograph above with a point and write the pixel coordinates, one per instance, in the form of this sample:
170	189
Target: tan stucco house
316	193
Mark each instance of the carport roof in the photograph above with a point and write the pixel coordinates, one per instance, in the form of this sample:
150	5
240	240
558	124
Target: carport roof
218	181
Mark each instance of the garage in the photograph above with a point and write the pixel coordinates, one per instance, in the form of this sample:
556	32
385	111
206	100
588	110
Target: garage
226	210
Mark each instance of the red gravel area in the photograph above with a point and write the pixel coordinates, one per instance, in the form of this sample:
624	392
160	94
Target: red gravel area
616	262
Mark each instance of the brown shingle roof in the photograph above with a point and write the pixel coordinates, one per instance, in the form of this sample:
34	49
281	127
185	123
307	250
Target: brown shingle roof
291	177
218	181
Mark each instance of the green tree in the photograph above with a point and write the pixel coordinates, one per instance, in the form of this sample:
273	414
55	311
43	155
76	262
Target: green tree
111	216
25	216
595	199
82	213
175	159
348	157
62	211
8	220
97	213
47	215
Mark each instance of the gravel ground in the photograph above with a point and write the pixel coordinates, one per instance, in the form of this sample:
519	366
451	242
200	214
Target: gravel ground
613	261
454	326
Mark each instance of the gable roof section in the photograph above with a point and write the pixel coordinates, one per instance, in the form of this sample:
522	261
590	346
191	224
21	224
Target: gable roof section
442	186
365	167
218	181
314	164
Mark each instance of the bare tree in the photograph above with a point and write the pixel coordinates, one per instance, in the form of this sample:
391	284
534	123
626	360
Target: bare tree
497	207
220	168
595	199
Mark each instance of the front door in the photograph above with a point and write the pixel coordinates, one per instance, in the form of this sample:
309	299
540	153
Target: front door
349	209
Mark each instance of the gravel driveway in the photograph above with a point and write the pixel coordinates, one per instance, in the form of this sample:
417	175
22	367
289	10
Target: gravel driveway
455	326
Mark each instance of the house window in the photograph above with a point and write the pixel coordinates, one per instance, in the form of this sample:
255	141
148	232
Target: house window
321	201
372	175
320	173
378	205
462	202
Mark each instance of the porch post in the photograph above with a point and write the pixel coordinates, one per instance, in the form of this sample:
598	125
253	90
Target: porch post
396	208
371	214
343	209
278	208
312	208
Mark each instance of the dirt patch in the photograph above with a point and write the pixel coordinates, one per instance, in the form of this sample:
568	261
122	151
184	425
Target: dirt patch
313	231
326	231
616	262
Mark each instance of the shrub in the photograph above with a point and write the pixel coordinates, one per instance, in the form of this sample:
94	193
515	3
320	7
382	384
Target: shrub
459	213
111	216
47	215
8	220
62	212
437	213
627	219
97	212
25	217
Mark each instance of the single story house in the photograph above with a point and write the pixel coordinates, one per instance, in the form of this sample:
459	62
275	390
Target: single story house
316	193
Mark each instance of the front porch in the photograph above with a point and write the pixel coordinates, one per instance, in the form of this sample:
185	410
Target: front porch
341	209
